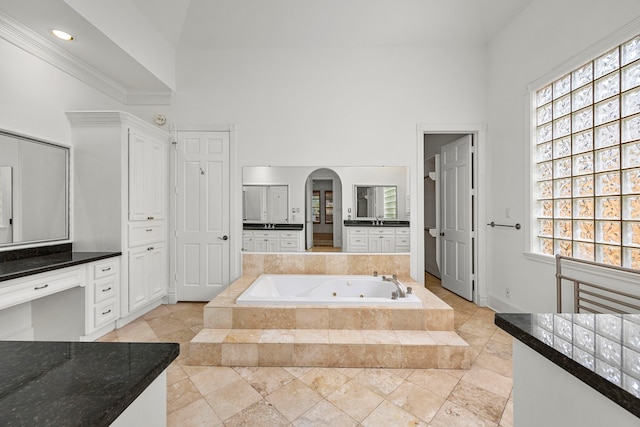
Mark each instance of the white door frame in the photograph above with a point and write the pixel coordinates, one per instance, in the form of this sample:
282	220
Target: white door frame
417	223
235	203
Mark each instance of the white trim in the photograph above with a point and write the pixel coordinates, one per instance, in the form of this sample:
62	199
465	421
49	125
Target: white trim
620	36
26	39
480	295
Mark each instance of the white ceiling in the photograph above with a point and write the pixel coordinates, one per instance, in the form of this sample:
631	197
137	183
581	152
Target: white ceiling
241	24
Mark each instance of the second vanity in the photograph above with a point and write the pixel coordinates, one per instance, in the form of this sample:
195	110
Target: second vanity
55	294
379	236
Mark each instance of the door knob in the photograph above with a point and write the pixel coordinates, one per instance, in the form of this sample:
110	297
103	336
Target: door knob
224	238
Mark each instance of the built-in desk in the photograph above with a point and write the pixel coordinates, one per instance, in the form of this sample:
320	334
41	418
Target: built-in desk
575	369
84	384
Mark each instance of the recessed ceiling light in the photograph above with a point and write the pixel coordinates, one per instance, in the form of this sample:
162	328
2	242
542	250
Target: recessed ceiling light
62	35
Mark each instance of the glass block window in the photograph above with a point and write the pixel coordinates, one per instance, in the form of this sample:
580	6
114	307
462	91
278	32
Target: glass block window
587	160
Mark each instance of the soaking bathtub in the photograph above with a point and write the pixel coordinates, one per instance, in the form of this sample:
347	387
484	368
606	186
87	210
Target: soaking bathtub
329	290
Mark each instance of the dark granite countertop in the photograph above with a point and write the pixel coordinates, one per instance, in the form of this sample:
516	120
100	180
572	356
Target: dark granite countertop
75	383
369	223
39	264
263	226
601	350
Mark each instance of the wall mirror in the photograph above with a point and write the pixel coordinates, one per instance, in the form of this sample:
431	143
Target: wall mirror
265	203
34	190
376	201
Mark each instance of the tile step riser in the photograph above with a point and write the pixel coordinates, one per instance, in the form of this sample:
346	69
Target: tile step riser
331	355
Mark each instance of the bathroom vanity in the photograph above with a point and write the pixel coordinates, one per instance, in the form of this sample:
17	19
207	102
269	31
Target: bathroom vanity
377	236
575	369
53	293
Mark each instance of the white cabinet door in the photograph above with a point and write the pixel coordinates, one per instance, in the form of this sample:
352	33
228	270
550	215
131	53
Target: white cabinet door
147	177
137	166
138	278
157	265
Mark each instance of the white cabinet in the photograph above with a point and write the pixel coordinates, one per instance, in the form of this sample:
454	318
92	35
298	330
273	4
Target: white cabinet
378	239
102	303
120	165
272	240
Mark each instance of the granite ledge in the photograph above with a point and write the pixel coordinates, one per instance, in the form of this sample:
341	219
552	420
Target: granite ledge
519	325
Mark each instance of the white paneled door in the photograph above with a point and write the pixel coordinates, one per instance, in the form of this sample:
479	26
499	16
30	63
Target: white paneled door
456	233
202	215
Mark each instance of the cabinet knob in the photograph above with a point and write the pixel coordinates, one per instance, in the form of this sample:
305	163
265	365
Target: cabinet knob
442	234
106	269
41	287
150	217
150	248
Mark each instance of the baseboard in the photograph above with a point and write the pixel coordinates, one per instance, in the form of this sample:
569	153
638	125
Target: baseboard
501	306
139	312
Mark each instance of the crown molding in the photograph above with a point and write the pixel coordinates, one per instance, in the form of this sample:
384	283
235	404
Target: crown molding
26	39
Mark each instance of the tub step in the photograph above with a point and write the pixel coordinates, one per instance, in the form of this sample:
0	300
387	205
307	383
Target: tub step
330	348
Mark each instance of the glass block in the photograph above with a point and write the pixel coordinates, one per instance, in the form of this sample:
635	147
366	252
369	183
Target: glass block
583	164
631	128
631	362
544	114
562	208
631	102
545	209
582	97
630	235
544	152
582	119
631	333
543	96
583	230
606	87
545	171
584	251
583	208
608	254
561	127
544	320
545	228
582	142
561	148
607	111
632	258
544	133
608	159
563	247
608	232
562	86
583	186
562	106
608	184
609	326
631	76
546	246
632	385
562	167
562	187
610	373
631	181
543	335
607	135
608	208
631	155
608	351
631	208
585	359
586	320
631	51
563	346
545	190
563	229
607	63
584	338
582	75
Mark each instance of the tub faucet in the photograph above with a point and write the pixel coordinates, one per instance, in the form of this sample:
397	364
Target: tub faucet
402	292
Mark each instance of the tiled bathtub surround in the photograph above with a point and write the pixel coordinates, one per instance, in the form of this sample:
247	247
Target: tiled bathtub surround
401	337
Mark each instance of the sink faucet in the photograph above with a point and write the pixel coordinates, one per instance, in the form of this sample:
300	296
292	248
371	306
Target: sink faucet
402	292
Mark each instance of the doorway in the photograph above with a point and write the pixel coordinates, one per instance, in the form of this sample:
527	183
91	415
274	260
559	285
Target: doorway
323	212
449	188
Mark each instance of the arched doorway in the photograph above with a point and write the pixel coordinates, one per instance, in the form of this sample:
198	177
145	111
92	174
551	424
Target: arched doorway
323	211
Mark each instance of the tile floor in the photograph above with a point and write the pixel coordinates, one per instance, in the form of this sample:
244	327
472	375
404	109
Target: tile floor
286	396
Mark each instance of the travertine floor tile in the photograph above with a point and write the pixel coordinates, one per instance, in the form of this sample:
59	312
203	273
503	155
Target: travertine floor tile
416	400
388	414
381	381
265	380
479	401
324	380
355	400
294	399
324	414
453	415
490	381
195	414
259	414
232	398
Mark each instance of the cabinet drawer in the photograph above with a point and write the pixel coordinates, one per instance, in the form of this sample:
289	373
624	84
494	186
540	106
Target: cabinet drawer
289	234
23	290
288	244
105	313
381	232
105	289
141	234
105	269
402	231
357	231
269	234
